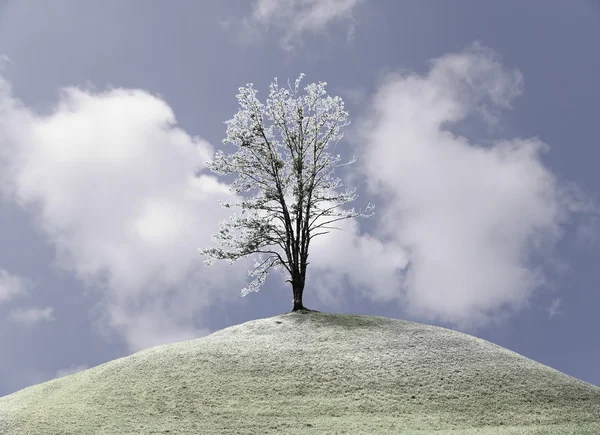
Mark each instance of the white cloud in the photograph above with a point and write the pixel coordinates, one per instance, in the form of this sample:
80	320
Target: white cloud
109	178
12	285
371	265
469	218
296	17
29	317
69	371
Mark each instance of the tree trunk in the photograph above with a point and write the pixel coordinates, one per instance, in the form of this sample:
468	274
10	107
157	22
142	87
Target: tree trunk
298	289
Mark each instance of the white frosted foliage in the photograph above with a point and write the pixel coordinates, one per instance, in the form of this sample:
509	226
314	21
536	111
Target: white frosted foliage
282	155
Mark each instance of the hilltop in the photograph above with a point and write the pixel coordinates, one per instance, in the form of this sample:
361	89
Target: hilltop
312	373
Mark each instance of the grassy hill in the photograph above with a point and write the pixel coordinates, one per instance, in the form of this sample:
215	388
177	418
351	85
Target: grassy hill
312	373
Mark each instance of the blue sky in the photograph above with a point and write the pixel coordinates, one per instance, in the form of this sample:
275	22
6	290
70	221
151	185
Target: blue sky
474	126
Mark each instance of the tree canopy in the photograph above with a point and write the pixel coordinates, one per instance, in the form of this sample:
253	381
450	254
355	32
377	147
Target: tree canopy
288	165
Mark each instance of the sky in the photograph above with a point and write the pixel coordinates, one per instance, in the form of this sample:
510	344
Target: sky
474	126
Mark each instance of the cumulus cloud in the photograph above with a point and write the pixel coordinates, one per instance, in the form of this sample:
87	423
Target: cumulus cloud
29	317
345	257
12	285
112	182
470	218
297	17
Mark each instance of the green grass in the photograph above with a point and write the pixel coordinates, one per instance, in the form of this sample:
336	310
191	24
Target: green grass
312	373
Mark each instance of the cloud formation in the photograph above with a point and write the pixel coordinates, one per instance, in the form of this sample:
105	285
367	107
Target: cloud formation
471	218
29	317
111	181
12	286
297	17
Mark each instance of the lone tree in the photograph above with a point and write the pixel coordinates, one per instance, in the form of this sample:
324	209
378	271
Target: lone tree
295	197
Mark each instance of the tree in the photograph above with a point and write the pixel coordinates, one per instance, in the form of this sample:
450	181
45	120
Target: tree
295	197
